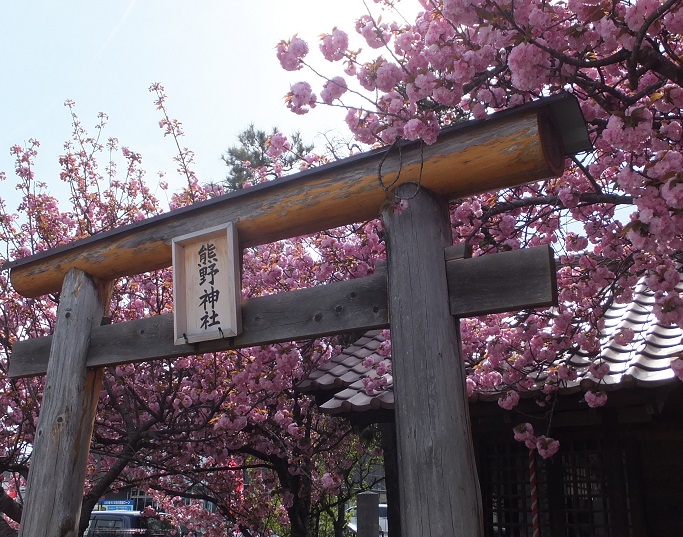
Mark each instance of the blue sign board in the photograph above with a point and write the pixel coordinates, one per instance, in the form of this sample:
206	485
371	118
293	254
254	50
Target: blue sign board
116	505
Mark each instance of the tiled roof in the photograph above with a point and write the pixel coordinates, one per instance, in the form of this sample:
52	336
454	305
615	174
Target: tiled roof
345	368
645	361
344	375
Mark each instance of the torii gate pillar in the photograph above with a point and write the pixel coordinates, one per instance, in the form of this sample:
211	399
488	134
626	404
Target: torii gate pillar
439	489
55	485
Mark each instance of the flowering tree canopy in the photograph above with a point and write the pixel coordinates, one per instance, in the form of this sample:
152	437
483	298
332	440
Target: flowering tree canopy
614	216
226	428
194	428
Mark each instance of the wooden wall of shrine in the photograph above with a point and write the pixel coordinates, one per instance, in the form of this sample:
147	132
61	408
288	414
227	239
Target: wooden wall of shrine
618	473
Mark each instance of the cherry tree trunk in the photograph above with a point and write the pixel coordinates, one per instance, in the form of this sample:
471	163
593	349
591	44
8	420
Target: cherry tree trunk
439	490
60	450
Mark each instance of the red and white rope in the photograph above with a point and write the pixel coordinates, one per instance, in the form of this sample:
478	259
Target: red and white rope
535	511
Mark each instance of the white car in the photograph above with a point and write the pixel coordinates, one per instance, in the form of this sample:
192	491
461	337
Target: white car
352	525
122	523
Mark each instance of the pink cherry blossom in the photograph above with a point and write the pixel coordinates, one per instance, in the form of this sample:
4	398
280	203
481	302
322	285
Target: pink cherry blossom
629	130
529	66
677	367
599	370
524	432
334	45
333	89
328	481
638	12
291	53
595	399
301	98
387	75
277	145
624	336
546	446
219	404
508	400
376	35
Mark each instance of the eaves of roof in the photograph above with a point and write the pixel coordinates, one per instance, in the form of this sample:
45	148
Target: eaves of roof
645	362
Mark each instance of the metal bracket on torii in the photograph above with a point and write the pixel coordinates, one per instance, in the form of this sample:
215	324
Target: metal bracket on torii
420	303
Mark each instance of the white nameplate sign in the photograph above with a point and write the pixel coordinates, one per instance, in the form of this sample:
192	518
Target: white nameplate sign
206	285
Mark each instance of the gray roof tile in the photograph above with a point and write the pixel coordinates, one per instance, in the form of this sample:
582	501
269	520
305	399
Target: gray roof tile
644	362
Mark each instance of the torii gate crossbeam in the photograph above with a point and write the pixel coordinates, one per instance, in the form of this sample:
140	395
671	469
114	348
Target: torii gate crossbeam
509	148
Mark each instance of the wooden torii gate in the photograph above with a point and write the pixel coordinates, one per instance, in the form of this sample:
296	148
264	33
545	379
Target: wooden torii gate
426	292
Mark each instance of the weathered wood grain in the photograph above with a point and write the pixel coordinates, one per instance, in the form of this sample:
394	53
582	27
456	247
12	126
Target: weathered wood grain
302	314
60	450
354	305
502	282
505	150
439	490
457	251
391	477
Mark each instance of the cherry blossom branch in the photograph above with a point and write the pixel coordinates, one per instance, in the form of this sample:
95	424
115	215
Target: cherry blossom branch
555	201
184	157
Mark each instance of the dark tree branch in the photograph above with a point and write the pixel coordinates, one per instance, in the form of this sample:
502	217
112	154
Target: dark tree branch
10	507
586	199
6	530
661	65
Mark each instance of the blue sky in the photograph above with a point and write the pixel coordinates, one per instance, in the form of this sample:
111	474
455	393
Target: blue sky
216	59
